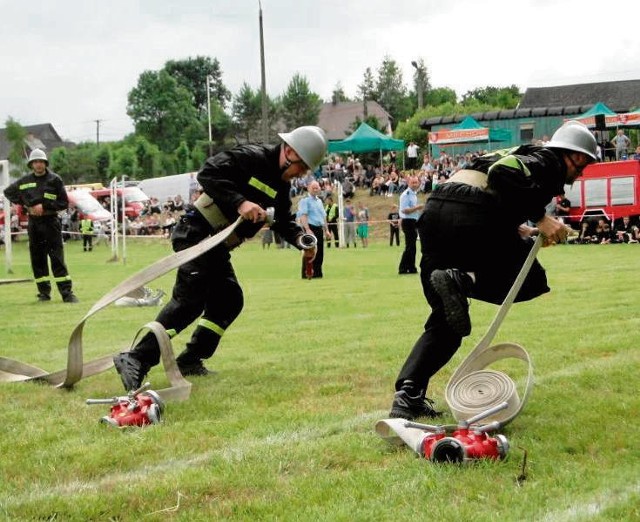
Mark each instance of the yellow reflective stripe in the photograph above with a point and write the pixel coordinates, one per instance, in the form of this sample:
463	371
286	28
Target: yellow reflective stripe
262	187
172	333
511	162
61	279
47	195
42	279
209	325
26	186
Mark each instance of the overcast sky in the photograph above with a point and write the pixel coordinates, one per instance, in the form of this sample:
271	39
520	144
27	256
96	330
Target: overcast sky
72	62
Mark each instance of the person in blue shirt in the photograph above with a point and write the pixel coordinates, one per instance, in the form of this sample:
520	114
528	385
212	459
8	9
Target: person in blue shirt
312	219
409	214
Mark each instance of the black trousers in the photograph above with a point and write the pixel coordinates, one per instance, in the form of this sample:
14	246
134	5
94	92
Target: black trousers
454	233
333	230
408	259
394	233
205	288
319	259
45	243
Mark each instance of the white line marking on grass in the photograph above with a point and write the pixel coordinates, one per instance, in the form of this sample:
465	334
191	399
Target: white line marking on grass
592	364
604	499
230	453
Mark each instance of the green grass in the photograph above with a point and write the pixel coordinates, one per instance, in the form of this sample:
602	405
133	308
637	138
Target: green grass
285	430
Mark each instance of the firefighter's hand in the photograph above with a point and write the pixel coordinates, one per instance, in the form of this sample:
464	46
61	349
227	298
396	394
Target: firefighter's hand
252	212
310	254
36	210
552	231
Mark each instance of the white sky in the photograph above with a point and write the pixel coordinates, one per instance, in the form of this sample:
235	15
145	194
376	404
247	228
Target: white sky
71	62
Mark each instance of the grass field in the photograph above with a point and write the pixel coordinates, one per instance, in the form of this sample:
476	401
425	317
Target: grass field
285	432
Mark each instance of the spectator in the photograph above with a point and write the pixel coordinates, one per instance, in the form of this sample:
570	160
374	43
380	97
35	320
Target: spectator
349	223
409	214
331	210
312	218
394	225
363	224
86	229
621	142
412	156
625	232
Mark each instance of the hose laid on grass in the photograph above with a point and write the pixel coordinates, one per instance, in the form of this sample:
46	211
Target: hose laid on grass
13	371
472	388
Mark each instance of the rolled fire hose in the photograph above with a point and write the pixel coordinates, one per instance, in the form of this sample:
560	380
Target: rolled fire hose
13	371
473	388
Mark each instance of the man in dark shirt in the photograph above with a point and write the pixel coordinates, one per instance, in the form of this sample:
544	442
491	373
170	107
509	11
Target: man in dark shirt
42	194
245	181
472	246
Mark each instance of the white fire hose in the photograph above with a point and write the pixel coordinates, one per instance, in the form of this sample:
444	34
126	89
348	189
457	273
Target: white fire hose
13	371
473	388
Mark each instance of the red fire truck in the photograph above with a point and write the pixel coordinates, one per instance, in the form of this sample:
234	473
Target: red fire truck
610	190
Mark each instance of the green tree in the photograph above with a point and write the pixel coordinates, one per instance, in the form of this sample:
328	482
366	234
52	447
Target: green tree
391	92
183	157
247	111
497	97
338	94
163	111
192	74
124	162
421	81
16	135
103	161
367	90
439	96
299	105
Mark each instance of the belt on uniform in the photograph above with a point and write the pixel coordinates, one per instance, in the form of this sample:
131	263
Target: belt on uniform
214	216
474	178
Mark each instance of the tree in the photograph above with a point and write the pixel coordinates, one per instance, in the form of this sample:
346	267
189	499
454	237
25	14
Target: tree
338	94
124	162
367	90
391	92
502	97
163	111
183	157
16	135
192	74
440	96
299	105
247	110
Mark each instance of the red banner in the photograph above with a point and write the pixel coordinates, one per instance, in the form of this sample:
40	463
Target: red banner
458	136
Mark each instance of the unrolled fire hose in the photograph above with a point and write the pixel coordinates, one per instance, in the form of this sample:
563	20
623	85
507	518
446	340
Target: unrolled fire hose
13	371
473	388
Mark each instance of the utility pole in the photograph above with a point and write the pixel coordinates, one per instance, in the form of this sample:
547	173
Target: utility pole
97	131
265	122
209	79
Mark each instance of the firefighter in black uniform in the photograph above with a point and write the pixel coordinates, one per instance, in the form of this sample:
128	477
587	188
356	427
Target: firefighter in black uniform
245	181
474	242
42	194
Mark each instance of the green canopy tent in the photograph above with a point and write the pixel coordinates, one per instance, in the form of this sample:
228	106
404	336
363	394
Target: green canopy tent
366	139
599	109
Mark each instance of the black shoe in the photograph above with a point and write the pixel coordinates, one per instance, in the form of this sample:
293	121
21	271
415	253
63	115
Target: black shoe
132	372
407	407
197	369
43	297
70	298
451	288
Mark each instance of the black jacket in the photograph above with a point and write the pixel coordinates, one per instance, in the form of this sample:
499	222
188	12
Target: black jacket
524	179
31	190
250	173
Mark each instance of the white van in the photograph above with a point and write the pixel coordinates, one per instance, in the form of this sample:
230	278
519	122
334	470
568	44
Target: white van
170	186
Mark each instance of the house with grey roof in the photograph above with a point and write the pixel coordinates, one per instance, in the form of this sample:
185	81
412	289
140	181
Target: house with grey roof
337	119
42	136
